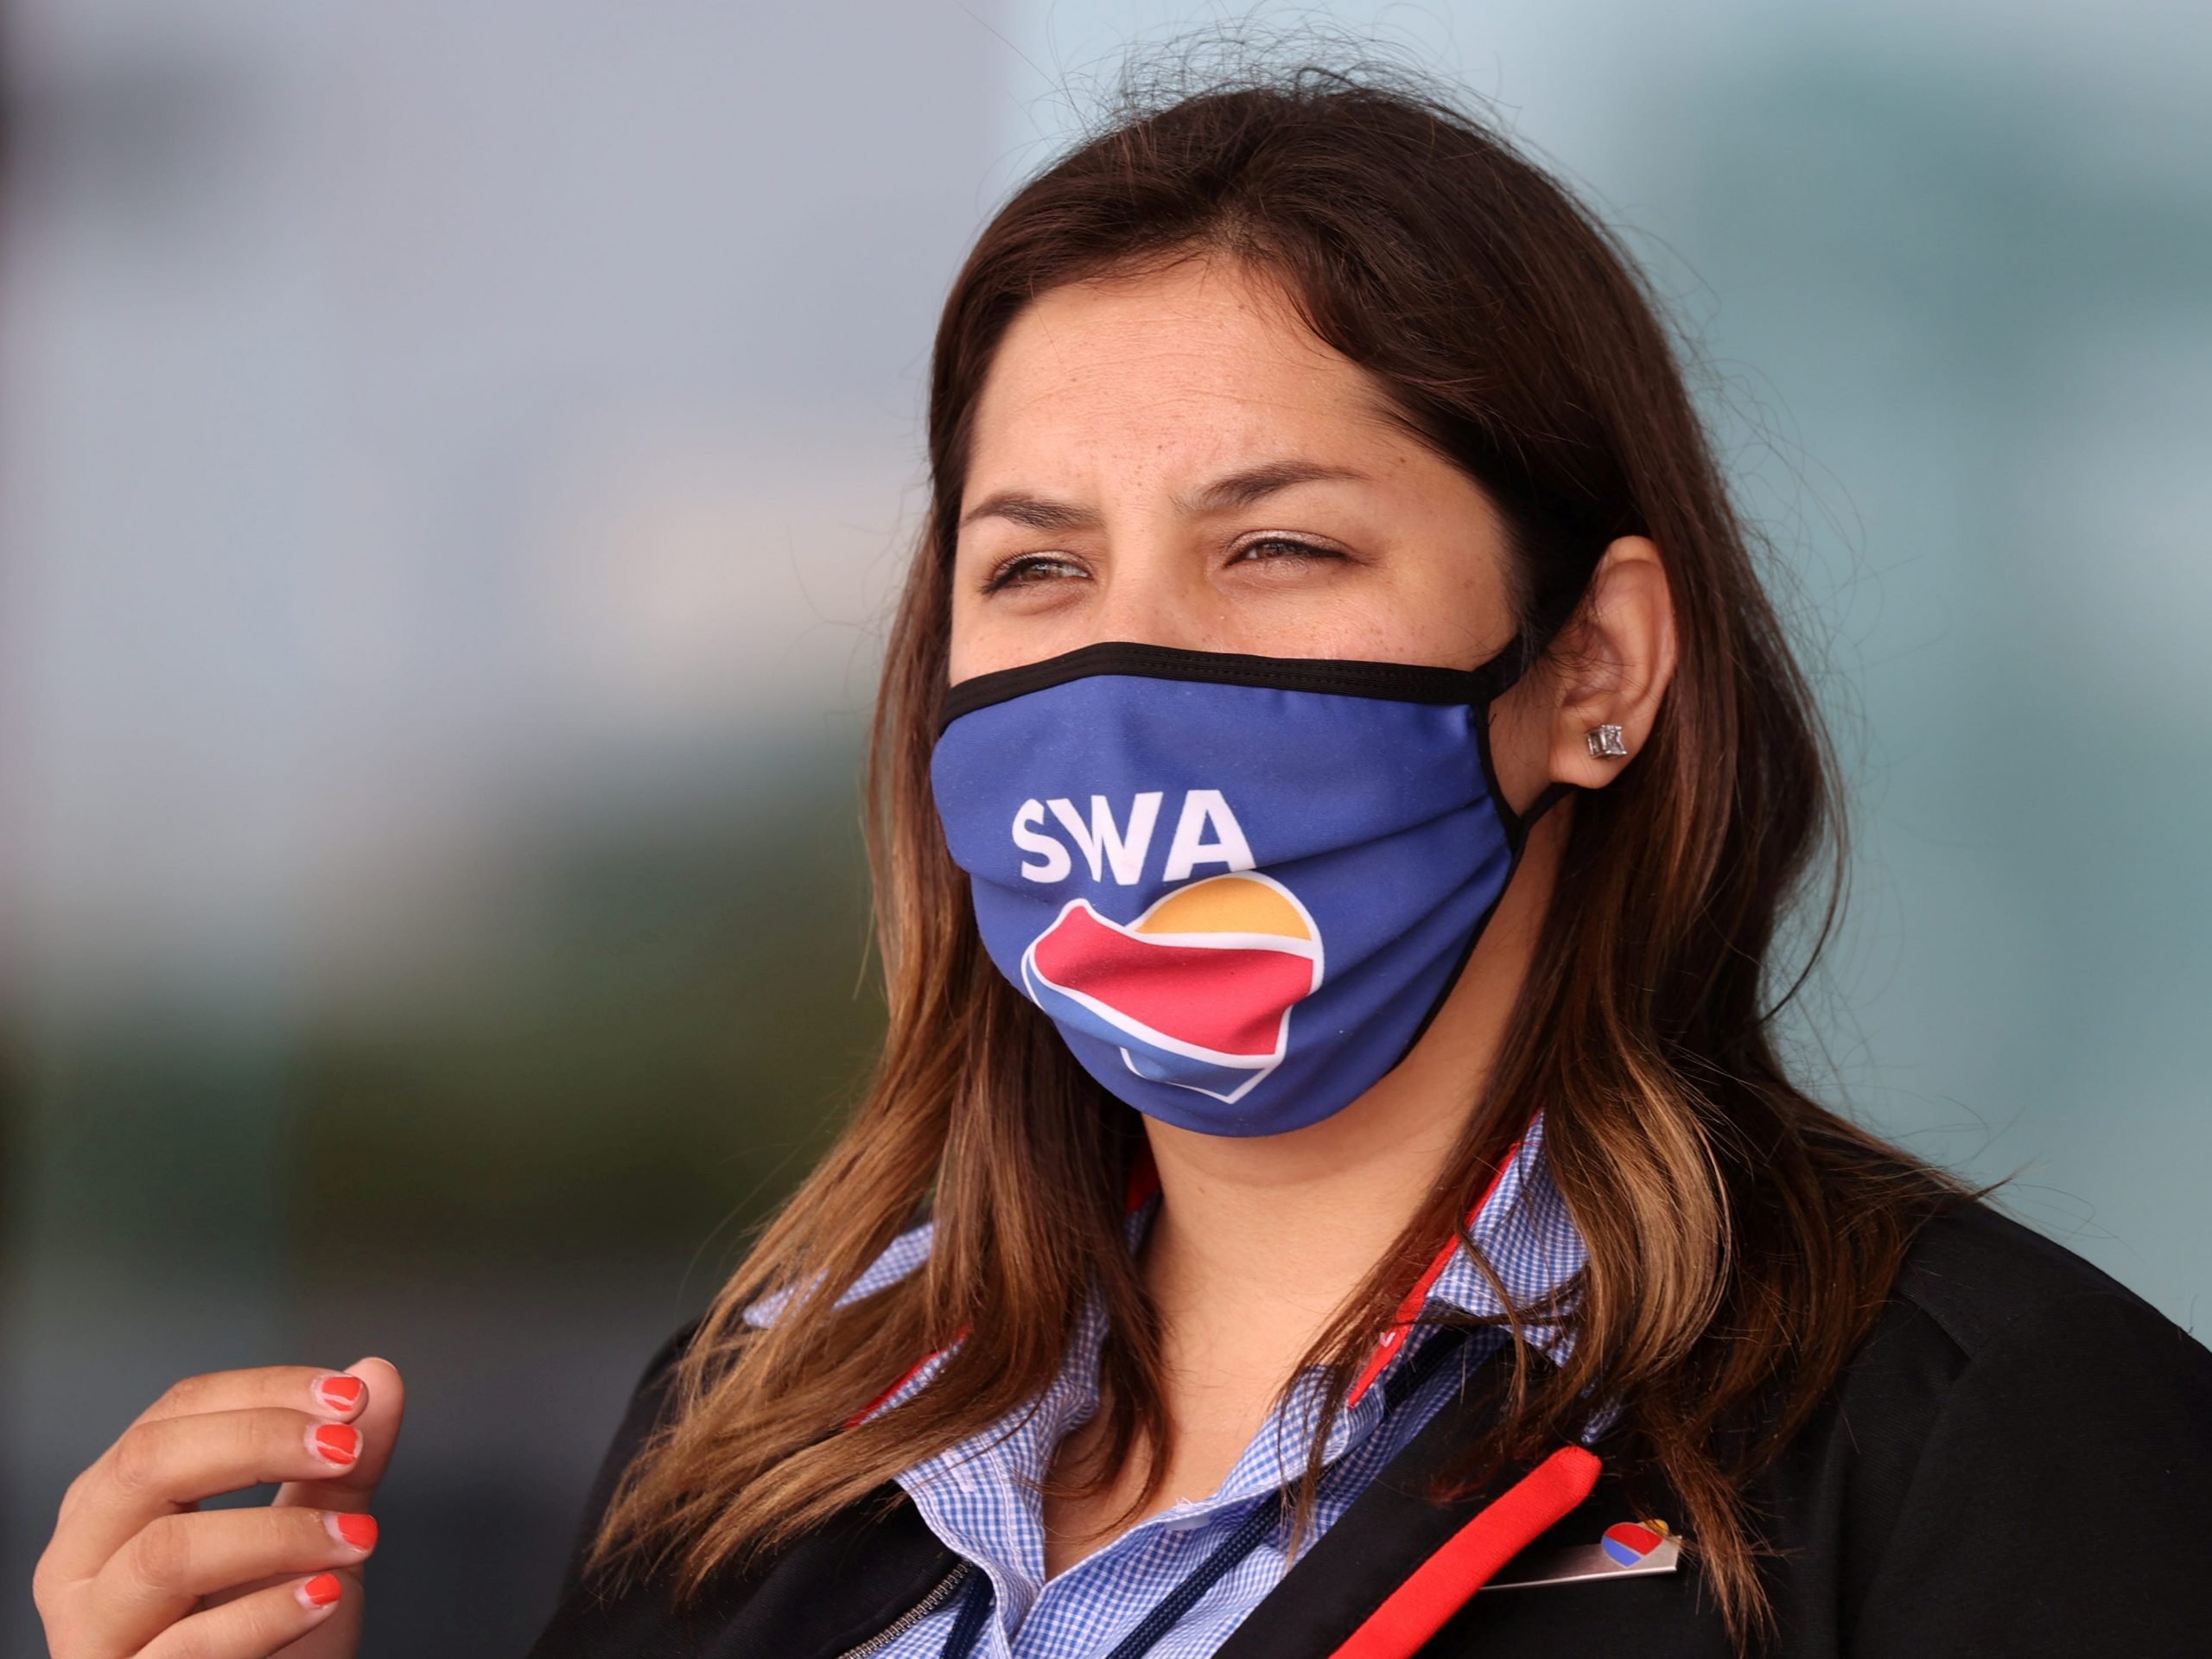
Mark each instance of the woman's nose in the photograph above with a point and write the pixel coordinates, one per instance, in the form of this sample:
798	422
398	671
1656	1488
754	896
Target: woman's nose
1158	597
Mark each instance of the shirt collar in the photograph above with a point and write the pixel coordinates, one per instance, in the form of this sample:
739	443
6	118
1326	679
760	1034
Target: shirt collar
1531	1241
1520	1224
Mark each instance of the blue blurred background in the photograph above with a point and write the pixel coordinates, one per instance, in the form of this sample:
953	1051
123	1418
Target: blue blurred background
454	457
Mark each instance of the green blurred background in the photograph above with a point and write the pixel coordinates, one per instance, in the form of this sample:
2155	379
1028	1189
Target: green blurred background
454	459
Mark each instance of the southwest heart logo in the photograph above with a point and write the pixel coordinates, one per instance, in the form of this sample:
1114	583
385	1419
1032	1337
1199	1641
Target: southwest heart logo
1197	992
1628	1543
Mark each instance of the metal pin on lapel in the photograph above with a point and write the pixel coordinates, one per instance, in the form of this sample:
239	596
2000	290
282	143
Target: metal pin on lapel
1626	1549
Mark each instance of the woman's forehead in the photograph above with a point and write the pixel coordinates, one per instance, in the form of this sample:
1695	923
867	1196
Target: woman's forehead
1189	369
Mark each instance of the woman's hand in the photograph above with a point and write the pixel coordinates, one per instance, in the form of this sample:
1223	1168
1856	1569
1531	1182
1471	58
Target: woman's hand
137	1570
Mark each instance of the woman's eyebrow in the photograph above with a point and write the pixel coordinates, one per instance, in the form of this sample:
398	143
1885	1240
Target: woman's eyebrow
1238	489
1242	489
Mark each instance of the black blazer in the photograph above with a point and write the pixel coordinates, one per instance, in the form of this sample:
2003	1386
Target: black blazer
2017	1463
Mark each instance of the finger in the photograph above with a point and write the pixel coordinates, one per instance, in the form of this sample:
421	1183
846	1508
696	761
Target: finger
175	1560
352	1488
336	1395
254	1626
168	1464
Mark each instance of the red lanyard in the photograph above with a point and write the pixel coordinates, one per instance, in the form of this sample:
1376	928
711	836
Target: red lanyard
1440	1586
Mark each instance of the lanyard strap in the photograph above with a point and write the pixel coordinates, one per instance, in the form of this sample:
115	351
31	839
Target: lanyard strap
967	1623
1208	1573
1249	1533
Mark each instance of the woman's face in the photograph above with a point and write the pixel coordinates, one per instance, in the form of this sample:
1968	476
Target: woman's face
1173	460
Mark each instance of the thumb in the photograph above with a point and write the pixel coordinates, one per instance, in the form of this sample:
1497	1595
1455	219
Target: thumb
380	1425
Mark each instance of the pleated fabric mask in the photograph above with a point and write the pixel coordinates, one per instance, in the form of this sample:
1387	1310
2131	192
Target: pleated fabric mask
1240	887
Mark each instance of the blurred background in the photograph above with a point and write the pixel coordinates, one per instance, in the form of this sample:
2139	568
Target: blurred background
454	457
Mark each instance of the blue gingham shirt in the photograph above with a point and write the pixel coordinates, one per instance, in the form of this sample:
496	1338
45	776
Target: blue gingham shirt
980	1499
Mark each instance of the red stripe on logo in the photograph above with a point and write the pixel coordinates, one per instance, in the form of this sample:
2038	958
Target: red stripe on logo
1230	1000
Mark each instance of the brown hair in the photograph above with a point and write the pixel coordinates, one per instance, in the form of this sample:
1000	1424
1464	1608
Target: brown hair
1740	1236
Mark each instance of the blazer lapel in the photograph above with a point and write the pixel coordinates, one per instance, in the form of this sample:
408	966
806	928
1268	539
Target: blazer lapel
832	1590
1395	1565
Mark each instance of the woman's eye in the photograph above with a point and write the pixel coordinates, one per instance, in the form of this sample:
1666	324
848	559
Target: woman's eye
1273	549
1030	569
1036	569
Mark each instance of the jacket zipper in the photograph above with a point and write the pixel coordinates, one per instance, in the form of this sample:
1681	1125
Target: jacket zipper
913	1616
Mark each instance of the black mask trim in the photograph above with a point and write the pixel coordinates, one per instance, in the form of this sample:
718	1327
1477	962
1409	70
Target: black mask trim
1392	682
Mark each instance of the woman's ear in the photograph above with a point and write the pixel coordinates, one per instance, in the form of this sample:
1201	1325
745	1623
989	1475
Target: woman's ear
1615	662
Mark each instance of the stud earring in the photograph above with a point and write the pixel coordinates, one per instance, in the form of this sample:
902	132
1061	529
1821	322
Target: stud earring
1604	741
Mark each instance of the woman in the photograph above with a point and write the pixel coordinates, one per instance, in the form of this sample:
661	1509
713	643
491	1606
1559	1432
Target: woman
1333	713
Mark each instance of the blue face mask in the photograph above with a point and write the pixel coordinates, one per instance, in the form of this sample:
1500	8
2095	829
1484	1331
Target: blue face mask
1240	887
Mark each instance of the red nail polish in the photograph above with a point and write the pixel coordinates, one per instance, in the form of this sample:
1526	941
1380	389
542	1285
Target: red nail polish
321	1590
336	1442
359	1530
340	1393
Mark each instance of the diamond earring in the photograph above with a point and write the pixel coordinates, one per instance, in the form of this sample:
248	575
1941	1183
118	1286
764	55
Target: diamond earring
1604	741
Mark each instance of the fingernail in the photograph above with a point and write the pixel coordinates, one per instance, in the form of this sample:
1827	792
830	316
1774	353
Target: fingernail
321	1590
338	1443
359	1530
340	1393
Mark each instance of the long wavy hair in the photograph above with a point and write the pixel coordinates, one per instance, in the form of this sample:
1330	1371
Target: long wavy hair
1741	1236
